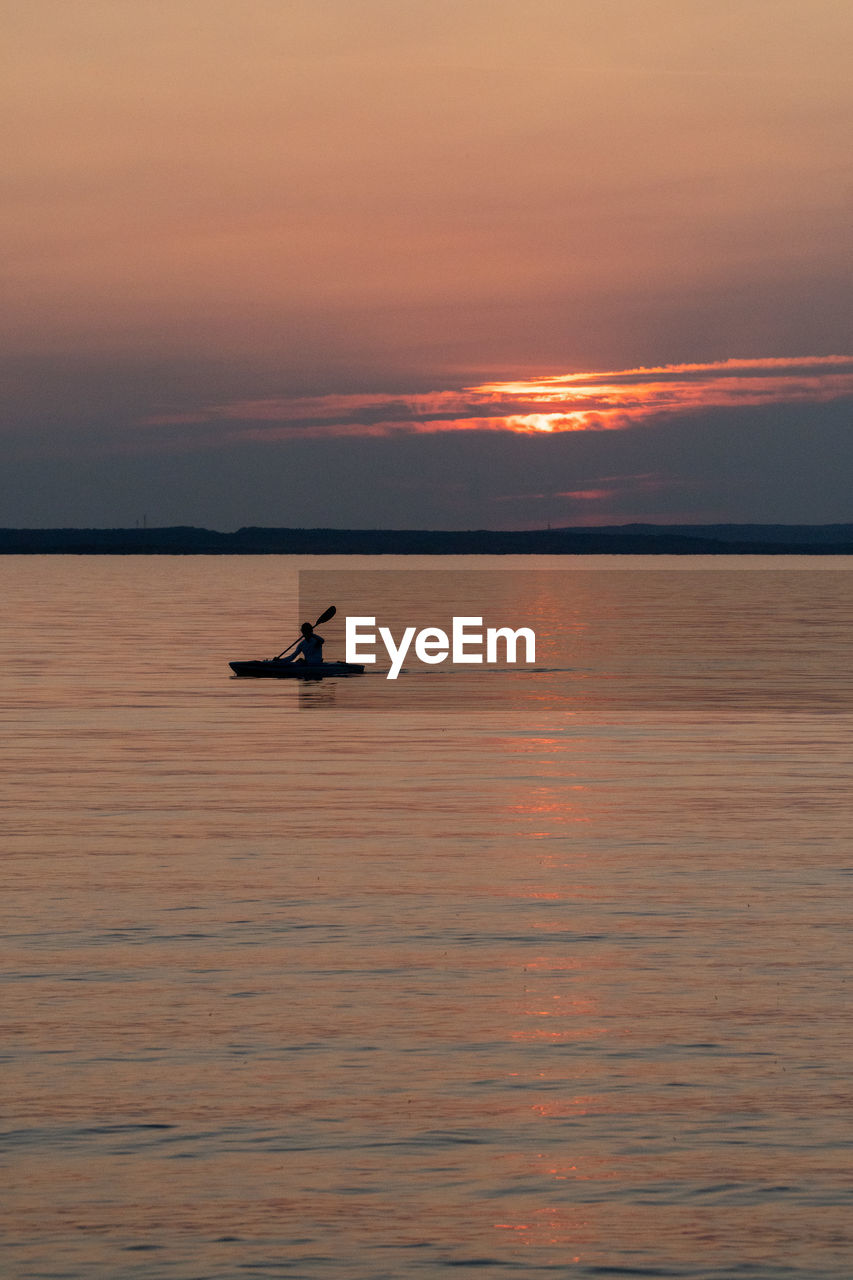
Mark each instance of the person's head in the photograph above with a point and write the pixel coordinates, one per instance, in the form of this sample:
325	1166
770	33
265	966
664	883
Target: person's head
307	630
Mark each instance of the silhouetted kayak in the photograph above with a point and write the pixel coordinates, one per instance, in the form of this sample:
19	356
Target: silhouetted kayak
271	668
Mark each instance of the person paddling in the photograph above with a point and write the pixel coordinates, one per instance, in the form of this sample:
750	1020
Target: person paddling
309	648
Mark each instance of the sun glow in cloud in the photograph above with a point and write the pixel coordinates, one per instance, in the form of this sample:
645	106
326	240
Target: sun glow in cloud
609	401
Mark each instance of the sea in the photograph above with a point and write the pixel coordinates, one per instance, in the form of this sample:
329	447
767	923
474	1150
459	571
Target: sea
542	972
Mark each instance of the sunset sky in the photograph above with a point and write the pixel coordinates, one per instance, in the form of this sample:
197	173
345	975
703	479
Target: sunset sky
426	263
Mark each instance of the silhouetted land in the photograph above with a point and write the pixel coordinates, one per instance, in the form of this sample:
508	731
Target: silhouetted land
630	539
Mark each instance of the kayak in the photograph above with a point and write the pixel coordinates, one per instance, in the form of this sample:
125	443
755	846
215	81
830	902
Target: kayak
272	668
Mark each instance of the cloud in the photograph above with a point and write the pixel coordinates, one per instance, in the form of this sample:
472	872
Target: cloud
613	400
769	464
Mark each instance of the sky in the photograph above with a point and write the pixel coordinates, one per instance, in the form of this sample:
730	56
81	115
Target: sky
430	263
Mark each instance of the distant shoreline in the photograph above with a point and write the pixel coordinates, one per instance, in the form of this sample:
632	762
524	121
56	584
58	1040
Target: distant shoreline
634	539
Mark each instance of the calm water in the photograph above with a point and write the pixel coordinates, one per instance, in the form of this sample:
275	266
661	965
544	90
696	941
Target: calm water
298	984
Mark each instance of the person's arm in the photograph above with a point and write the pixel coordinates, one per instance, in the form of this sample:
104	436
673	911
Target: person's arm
300	648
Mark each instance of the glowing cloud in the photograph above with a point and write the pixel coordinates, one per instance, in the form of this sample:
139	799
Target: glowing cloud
601	401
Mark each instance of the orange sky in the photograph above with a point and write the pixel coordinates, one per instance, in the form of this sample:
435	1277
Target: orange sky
209	203
602	401
208	173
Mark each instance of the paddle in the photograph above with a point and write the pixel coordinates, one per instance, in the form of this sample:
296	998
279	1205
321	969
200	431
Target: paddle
324	617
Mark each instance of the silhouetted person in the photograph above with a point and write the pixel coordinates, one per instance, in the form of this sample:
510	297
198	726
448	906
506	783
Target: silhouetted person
310	647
